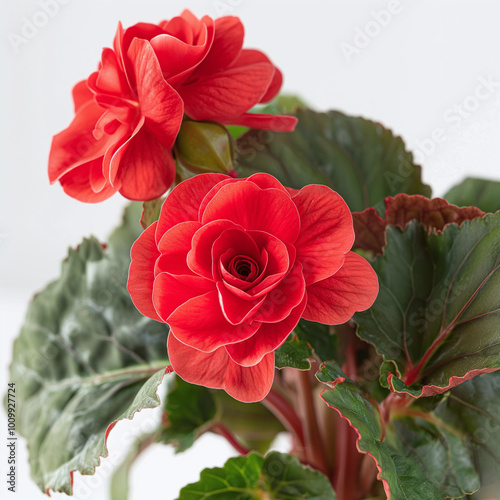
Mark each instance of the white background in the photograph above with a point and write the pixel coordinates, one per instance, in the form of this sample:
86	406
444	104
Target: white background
413	75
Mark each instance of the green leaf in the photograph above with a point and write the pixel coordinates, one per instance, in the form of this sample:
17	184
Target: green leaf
190	409
85	358
358	158
482	193
437	313
294	353
473	408
401	474
122	238
253	477
319	337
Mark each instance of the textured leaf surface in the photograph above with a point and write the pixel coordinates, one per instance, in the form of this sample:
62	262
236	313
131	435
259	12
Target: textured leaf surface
473	408
189	411
358	158
294	353
85	358
482	193
437	316
253	477
434	214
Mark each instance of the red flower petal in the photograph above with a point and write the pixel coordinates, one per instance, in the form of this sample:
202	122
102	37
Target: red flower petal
266	339
326	231
161	105
235	309
76	145
334	300
218	371
227	44
141	273
183	202
246	204
174	247
81	95
110	78
199	323
222	96
170	292
199	259
266	181
147	169
250	56
283	298
76	184
278	123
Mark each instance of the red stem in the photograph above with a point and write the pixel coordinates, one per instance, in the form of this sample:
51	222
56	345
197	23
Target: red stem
314	451
281	408
222	430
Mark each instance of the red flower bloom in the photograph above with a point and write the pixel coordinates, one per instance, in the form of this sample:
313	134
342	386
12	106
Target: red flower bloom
129	112
233	264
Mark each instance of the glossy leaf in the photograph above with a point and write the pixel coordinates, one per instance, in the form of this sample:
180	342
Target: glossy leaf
437	315
85	358
358	158
401	474
294	353
435	214
482	193
189	411
253	477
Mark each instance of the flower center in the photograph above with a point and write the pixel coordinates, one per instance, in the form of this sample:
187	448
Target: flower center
244	268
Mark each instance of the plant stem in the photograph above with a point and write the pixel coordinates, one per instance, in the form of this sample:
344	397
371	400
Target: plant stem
281	408
314	451
221	429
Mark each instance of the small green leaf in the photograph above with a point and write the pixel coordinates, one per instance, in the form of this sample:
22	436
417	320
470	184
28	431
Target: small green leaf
277	476
294	353
437	313
481	193
319	337
358	158
189	411
85	358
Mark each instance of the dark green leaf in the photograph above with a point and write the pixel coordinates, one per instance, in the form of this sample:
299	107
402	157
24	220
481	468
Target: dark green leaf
277	476
85	358
151	212
190	409
401	474
473	408
358	158
482	193
319	337
294	353
437	314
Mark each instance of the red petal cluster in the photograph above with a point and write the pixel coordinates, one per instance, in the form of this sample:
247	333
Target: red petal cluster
128	113
233	264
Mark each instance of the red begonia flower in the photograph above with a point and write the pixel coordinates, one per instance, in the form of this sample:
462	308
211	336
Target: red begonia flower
129	112
233	264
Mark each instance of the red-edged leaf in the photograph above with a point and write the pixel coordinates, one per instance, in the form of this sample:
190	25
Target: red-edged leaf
437	316
435	214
